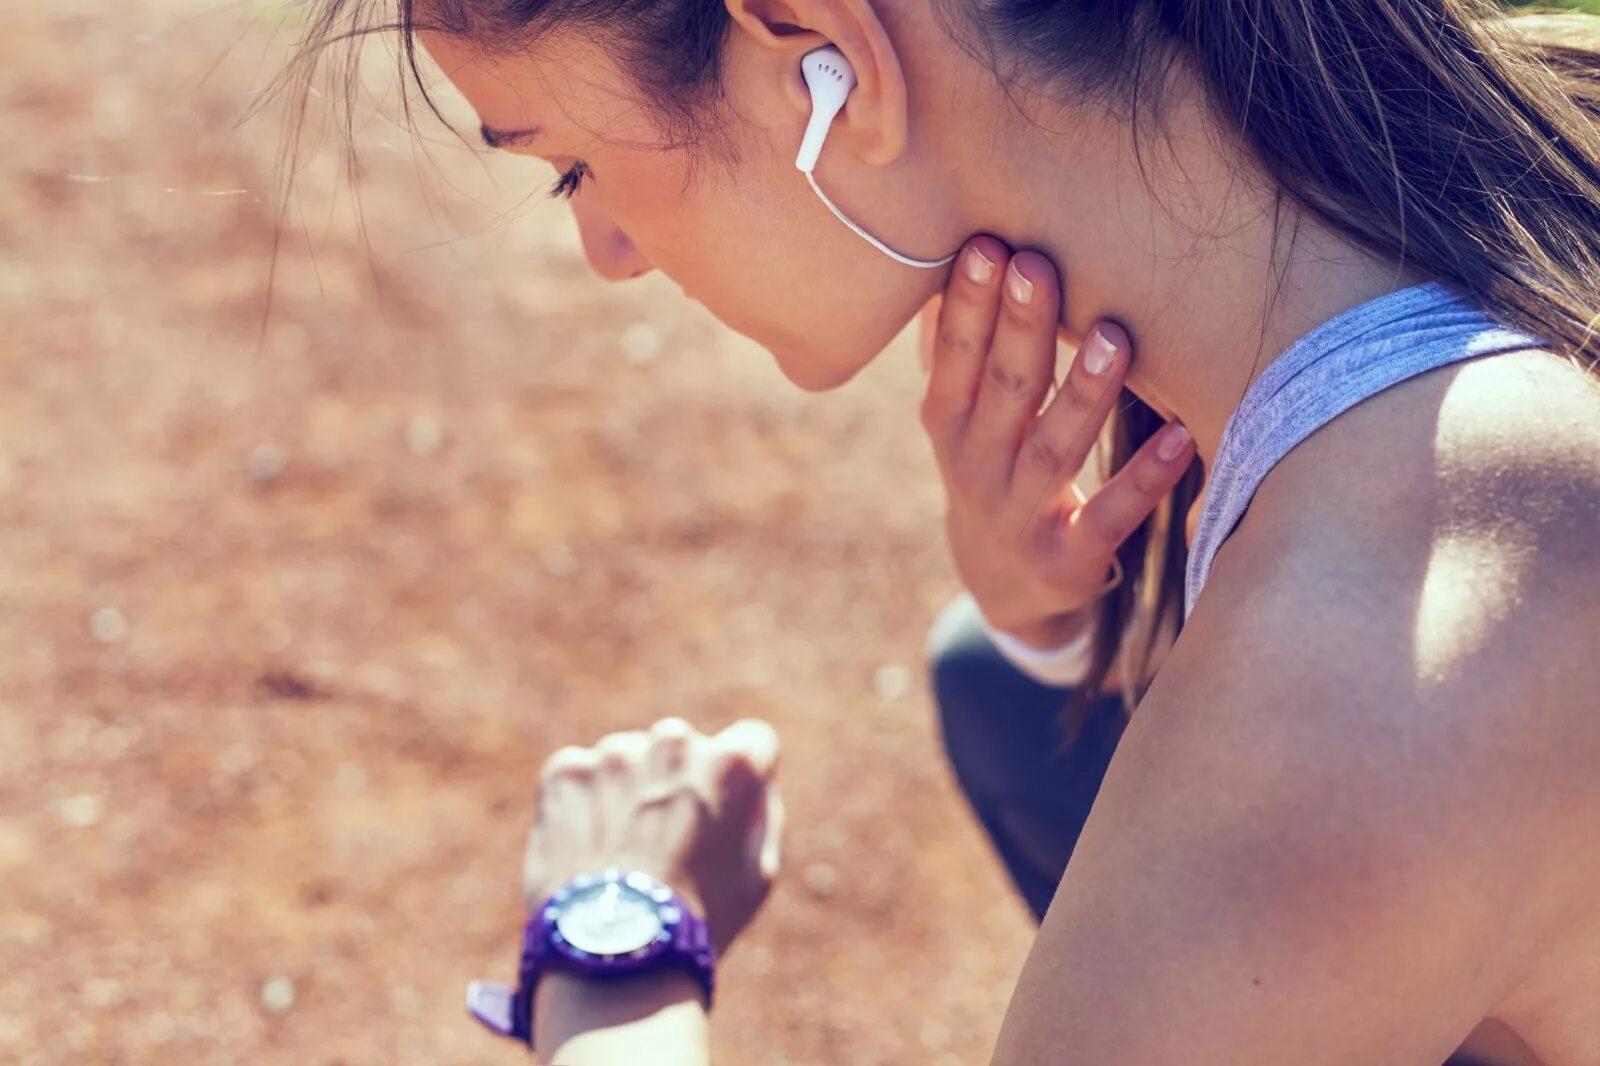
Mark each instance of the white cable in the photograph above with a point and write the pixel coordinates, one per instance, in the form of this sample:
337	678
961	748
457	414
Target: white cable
925	264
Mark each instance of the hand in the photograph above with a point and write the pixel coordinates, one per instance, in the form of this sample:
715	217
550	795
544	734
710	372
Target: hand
1032	551
700	814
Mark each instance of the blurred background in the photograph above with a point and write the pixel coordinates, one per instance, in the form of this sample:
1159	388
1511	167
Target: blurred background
294	603
295	596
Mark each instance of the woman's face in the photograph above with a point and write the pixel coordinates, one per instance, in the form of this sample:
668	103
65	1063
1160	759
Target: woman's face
728	217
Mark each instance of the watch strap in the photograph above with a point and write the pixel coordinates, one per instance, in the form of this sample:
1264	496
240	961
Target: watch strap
508	1011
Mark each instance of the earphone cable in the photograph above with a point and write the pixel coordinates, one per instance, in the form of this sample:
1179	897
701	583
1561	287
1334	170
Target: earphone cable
925	264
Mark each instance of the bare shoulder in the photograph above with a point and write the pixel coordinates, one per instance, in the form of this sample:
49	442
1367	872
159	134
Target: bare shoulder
1351	815
1463	504
1434	553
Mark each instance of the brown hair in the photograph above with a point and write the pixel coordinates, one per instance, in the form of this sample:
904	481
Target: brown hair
1440	134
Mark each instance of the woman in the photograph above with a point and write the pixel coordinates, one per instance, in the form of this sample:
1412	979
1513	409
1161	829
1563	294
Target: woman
1356	240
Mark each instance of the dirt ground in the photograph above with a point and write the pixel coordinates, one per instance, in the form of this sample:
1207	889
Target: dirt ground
288	624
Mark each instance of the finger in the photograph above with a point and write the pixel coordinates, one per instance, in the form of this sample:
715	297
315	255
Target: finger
619	765
928	333
1113	513
672	741
961	340
566	794
1055	449
1020	367
755	740
745	757
769	842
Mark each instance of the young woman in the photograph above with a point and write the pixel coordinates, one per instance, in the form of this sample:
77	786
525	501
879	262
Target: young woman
1355	816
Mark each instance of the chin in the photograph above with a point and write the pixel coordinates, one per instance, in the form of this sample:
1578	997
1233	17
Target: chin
816	366
811	373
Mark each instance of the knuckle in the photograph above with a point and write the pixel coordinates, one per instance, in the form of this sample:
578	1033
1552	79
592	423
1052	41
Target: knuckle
758	734
612	763
618	752
955	342
570	764
672	728
670	753
731	768
1007	381
1045	452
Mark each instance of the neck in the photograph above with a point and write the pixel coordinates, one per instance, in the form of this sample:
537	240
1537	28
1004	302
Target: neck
1211	272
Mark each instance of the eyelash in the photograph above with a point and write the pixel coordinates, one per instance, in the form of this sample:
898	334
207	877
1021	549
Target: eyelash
566	186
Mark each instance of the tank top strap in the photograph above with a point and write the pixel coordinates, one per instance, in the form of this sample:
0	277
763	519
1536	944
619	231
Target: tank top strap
1347	359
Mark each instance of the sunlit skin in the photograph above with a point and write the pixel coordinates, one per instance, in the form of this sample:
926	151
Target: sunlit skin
736	231
1353	818
734	223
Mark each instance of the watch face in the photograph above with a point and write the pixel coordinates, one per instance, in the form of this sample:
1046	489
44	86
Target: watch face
611	918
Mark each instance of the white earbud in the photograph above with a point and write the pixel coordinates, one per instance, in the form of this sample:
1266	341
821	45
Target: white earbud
830	79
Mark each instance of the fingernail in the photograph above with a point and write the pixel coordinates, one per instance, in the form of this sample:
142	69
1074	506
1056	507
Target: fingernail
1174	441
978	266
1098	353
1021	288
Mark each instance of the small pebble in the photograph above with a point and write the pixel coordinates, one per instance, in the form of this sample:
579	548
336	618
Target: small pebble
83	811
108	625
821	879
277	995
640	343
891	682
424	436
265	464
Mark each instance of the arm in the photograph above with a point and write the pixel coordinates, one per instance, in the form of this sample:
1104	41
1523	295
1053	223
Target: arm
700	814
656	1020
1304	852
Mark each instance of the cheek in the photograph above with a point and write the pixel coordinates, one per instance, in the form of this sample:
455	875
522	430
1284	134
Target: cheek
762	256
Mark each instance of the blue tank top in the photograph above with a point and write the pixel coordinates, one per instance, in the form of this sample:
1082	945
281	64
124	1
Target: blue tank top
1325	373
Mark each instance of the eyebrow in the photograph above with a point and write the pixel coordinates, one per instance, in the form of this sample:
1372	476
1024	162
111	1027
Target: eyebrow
506	138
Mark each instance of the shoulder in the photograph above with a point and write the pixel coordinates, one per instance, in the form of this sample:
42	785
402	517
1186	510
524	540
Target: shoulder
1412	598
1464	503
1370	752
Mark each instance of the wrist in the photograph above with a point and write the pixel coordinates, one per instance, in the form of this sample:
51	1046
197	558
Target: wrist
1065	658
1057	631
579	1019
577	994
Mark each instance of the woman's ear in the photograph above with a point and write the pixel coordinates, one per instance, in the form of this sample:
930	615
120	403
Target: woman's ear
875	114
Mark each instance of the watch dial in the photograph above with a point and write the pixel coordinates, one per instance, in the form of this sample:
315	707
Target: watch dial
609	919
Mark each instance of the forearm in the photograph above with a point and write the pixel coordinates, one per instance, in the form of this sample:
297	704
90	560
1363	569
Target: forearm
656	1019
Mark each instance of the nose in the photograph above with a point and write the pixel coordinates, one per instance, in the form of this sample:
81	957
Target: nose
611	253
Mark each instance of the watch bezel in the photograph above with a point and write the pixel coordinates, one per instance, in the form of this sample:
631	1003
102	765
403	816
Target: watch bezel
669	916
684	939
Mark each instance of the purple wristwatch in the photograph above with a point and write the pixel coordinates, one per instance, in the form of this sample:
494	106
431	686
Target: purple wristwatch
613	923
